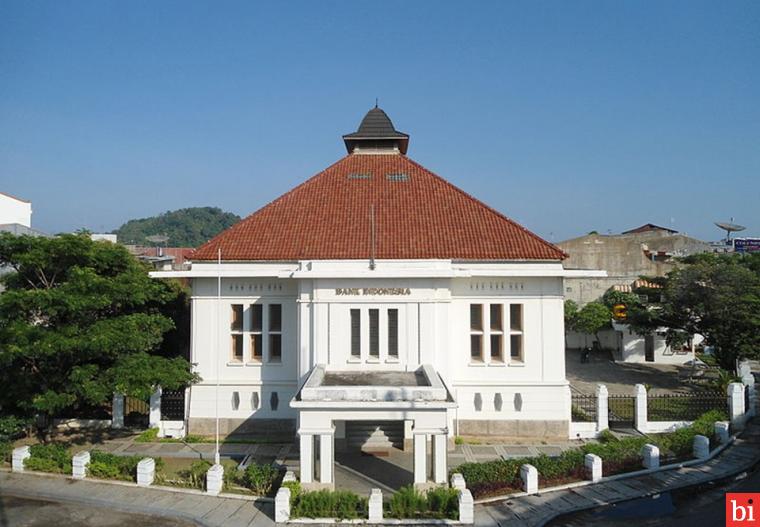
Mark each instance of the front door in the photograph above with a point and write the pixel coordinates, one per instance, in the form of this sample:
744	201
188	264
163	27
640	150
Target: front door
649	348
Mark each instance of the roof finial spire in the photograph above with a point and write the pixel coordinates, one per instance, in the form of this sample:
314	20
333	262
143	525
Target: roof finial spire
376	99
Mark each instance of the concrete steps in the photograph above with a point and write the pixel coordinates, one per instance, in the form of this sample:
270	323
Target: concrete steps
377	435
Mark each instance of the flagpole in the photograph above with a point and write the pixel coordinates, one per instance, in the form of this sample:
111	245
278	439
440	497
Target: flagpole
218	350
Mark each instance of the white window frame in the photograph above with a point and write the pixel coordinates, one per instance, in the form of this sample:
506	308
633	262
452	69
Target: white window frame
506	334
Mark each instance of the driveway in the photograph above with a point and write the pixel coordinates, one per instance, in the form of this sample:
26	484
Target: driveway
620	377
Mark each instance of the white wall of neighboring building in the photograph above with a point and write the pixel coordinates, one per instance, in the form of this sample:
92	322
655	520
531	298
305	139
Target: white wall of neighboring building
631	347
14	210
434	328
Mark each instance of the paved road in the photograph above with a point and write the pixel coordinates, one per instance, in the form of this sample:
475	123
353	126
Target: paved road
688	508
24	512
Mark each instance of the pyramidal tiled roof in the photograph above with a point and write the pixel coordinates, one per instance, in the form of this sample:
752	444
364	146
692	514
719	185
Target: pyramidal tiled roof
417	215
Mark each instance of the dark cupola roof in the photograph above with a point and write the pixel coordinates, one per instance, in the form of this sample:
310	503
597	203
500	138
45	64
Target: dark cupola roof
376	132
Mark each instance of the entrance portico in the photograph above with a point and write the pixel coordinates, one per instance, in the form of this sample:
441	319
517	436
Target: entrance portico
418	397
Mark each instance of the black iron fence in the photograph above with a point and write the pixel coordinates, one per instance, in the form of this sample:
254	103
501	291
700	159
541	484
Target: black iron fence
583	408
684	406
747	402
173	405
621	411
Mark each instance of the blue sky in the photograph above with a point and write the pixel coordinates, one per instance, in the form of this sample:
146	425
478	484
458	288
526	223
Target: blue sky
566	116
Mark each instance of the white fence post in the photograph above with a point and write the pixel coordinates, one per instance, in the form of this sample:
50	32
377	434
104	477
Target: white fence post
650	455
146	471
214	479
79	465
593	465
457	481
529	475
282	505
736	403
19	455
375	505
602	408
466	507
701	449
155	409
722	431
640	416
117	412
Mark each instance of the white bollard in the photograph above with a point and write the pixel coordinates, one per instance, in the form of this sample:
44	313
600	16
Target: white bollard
641	420
602	408
375	505
214	479
593	465
19	455
466	507
722	431
79	465
529	475
650	456
289	476
457	481
282	505
146	472
701	448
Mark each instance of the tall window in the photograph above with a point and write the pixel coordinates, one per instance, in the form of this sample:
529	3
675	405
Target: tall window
393	333
257	327
516	332
275	333
356	333
476	332
236	329
497	332
374	333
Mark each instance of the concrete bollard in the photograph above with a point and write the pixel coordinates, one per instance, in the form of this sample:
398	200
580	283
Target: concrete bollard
722	431
457	481
375	505
79	465
593	465
214	479
19	455
282	505
650	456
289	476
529	475
466	507
146	472
701	448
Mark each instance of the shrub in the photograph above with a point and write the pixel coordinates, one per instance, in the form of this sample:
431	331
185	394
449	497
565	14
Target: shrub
438	503
340	504
407	502
6	451
295	490
110	466
52	457
148	436
12	427
605	436
260	478
443	503
195	476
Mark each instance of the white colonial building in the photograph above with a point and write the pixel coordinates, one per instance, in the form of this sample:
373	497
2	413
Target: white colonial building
376	295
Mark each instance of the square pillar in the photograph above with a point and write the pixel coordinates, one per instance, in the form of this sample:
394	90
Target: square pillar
155	409
307	458
117	413
326	460
420	459
438	445
602	408
640	409
736	403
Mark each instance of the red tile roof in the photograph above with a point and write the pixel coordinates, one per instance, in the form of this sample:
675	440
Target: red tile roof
418	215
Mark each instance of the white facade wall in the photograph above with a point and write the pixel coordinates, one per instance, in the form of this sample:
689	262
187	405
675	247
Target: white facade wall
433	328
13	210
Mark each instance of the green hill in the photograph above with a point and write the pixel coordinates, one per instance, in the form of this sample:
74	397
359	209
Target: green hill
185	227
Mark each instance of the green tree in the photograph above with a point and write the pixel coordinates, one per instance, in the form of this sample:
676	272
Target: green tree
80	320
189	227
717	296
591	319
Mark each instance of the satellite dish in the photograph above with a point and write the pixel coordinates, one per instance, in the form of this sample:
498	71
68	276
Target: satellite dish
157	238
729	227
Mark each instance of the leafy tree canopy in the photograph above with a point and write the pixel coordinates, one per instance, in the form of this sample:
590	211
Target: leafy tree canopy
590	319
80	320
184	227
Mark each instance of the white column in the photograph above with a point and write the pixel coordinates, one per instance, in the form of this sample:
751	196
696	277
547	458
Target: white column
155	409
420	458
438	445
640	421
326	461
602	408
307	458
735	402
117	413
375	506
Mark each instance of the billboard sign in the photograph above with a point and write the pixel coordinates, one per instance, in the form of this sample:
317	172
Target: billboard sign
747	245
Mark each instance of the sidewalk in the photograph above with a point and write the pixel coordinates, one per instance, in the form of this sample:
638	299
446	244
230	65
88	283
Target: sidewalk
538	509
206	511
